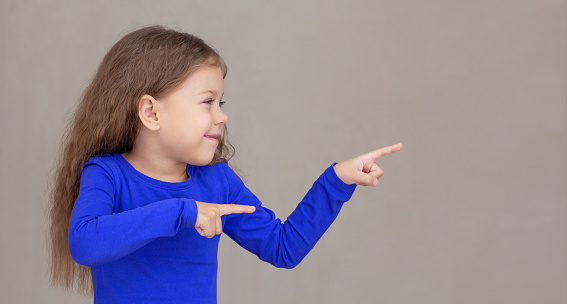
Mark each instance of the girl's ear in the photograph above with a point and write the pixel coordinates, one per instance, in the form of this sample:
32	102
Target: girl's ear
147	111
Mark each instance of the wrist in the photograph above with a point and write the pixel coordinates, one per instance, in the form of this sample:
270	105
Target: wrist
338	167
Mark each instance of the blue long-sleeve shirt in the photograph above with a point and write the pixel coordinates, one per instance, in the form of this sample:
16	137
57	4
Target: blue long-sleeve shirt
137	233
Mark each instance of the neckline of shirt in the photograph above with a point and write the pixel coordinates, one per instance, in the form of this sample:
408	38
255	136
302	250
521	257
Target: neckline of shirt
156	182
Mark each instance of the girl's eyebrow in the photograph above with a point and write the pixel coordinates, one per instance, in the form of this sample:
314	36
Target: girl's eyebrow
212	92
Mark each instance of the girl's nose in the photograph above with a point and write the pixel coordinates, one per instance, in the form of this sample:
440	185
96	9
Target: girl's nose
220	117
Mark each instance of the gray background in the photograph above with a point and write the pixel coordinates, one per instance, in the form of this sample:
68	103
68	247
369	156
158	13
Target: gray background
472	210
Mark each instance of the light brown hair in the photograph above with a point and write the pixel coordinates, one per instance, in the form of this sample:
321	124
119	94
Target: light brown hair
152	60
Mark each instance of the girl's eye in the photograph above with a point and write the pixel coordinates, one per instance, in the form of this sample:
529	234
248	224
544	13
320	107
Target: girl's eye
210	101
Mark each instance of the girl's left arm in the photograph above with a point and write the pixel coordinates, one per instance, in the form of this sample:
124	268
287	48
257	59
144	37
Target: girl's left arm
285	244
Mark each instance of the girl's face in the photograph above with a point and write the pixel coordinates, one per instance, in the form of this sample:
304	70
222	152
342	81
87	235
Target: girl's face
191	118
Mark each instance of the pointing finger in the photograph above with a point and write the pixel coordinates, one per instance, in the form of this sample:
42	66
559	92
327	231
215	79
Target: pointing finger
376	154
233	208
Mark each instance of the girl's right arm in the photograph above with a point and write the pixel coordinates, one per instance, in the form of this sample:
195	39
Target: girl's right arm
97	235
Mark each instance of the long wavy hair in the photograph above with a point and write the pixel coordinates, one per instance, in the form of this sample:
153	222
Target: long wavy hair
152	60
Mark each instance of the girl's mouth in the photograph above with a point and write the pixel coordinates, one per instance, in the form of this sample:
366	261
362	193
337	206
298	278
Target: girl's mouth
213	137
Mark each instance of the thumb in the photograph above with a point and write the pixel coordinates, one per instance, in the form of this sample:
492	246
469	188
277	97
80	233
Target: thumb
233	208
364	179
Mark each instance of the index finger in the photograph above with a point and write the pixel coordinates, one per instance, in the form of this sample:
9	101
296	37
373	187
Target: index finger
233	208
376	154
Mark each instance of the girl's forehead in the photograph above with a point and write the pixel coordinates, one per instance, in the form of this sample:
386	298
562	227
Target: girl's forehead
207	79
206	72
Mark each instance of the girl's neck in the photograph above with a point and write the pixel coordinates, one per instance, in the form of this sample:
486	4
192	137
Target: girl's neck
156	168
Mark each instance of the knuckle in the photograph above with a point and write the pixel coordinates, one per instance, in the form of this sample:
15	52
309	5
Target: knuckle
212	213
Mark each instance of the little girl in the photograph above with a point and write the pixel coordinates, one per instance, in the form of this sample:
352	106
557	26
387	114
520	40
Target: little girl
143	189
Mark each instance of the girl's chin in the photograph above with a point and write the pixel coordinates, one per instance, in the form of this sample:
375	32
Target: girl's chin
202	161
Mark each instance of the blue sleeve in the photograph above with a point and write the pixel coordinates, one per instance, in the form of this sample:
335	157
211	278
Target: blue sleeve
285	244
97	235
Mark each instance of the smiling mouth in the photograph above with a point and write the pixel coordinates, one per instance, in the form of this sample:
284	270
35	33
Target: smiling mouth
214	138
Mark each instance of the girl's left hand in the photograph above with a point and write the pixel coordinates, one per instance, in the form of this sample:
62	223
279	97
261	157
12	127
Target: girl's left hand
362	170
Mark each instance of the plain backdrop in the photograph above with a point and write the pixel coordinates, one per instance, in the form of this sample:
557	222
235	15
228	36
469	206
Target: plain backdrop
472	210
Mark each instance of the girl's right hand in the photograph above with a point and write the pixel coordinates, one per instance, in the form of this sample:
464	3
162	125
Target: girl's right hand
209	222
